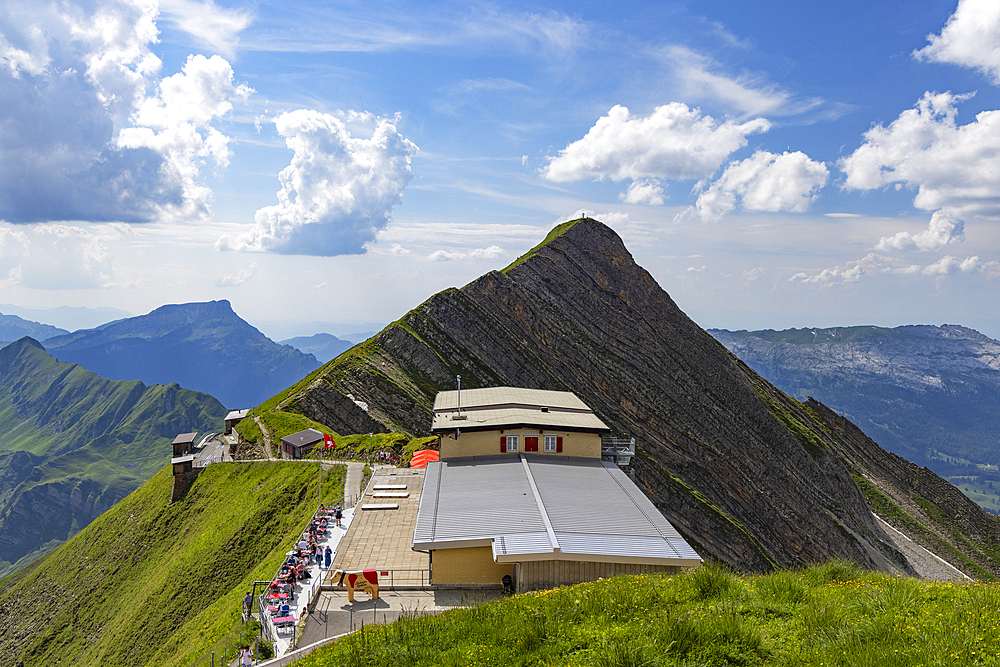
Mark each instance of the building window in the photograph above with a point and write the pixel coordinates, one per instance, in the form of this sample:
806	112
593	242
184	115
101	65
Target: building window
550	443
511	443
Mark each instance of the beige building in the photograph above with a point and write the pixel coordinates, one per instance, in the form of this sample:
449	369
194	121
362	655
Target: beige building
506	420
521	491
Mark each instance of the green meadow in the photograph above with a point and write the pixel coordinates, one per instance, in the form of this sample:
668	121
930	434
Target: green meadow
831	614
152	582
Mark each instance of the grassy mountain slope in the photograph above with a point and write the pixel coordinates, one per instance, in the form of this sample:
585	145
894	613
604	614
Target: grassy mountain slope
930	394
831	615
156	583
74	444
750	476
201	346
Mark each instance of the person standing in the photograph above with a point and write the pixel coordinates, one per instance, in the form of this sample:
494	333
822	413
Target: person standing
329	557
338	514
246	656
248	604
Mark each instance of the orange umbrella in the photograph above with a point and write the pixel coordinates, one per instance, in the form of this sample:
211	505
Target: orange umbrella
423	457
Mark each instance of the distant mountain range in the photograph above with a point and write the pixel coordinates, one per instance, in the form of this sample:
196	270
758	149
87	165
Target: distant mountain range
928	393
72	444
323	346
14	328
202	346
70	318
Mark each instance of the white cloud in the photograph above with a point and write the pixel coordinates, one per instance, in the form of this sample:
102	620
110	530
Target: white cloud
646	191
949	265
492	252
214	27
673	142
763	182
970	38
942	230
103	156
699	78
176	125
339	189
242	276
951	165
874	264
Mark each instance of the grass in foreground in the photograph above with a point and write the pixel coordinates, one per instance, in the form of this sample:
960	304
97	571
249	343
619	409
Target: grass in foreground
832	614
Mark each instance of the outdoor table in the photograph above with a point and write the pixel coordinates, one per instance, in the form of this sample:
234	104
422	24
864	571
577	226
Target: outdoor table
283	620
277	596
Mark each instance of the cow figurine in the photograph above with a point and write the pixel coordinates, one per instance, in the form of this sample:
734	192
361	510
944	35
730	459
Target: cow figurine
364	580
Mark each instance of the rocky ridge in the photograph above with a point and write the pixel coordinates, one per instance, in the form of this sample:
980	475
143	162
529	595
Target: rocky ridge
749	476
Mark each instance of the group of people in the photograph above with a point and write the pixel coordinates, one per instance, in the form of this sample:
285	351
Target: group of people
335	511
385	457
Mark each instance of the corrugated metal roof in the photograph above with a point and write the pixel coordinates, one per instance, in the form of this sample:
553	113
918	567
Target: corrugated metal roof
473	398
517	417
475	501
593	508
237	414
184	439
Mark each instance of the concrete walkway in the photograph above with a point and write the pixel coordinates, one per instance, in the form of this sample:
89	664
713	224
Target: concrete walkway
352	482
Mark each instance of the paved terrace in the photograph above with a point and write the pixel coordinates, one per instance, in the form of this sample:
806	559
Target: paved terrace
379	539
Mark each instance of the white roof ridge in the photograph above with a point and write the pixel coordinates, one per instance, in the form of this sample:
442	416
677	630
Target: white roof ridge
540	505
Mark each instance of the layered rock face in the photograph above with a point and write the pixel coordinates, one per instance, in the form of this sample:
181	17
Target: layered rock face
746	474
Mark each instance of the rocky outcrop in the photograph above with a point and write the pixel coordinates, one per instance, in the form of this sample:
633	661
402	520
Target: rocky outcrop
745	473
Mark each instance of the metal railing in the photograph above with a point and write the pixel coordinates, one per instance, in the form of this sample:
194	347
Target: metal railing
619	450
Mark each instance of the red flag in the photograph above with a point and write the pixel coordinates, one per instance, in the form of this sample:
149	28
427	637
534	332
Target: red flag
328	441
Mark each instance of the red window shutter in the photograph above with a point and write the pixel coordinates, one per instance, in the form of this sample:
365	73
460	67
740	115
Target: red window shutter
559	444
531	443
503	443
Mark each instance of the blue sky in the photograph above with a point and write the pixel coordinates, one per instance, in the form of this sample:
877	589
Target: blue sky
325	166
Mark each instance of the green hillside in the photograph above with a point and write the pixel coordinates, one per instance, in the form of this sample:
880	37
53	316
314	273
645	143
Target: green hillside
73	443
154	583
825	615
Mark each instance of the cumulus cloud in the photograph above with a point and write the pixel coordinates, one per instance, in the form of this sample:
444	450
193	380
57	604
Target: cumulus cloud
971	38
492	252
874	264
951	165
949	265
242	276
102	157
763	182
214	27
941	231
673	142
176	124
339	189
646	191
